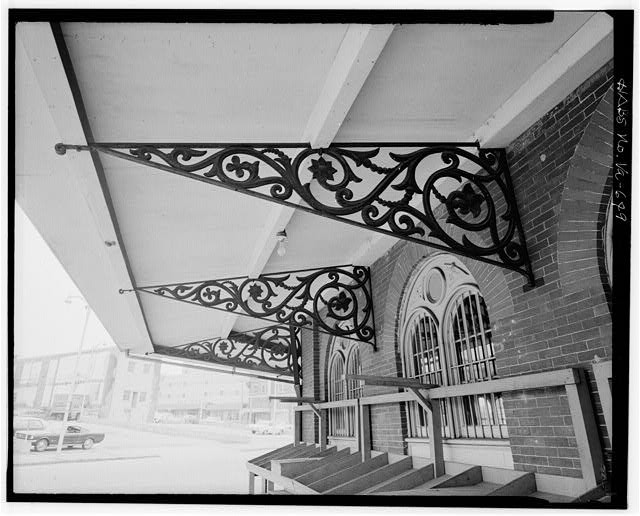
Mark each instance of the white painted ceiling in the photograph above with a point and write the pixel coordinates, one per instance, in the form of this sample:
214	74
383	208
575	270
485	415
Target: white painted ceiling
260	83
201	82
441	82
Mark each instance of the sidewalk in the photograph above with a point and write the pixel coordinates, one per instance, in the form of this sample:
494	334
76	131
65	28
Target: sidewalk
222	433
76	455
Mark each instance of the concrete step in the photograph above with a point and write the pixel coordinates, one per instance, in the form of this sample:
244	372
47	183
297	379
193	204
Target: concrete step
478	489
467	475
521	484
268	455
466	480
357	470
406	480
308	464
292	466
296	451
335	464
416	490
375	477
551	497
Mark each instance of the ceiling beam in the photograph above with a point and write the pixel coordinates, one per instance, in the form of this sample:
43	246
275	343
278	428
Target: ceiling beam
68	205
578	58
356	57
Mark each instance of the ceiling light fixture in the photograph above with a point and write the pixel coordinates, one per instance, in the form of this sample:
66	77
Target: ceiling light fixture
282	239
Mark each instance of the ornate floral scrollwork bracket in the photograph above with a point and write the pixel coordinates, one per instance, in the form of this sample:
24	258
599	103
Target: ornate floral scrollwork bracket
336	300
451	196
274	349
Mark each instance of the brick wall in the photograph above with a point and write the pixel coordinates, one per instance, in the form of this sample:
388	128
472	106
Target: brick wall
310	380
566	322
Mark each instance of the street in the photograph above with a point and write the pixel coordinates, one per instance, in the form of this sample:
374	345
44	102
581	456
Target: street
138	461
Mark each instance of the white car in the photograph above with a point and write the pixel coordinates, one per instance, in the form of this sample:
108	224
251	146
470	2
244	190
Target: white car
259	428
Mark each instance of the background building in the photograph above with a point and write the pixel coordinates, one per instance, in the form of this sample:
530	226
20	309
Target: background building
41	381
121	388
135	390
112	385
196	394
260	409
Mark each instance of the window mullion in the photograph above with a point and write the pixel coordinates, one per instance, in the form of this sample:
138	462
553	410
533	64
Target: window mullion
466	339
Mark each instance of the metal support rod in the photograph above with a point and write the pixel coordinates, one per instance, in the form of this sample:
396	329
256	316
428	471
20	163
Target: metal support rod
462	201
297	428
193	364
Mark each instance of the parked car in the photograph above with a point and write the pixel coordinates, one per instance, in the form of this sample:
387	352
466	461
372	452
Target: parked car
48	437
28	423
259	428
277	429
166	417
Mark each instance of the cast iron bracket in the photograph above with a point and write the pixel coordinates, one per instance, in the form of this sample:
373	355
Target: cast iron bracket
455	197
273	349
337	300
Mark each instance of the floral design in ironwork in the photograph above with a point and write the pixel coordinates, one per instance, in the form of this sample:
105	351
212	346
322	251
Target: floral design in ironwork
341	302
255	291
466	200
240	167
210	294
322	170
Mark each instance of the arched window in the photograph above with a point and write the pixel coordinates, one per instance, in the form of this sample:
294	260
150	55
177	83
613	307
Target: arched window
344	360
354	387
336	378
447	341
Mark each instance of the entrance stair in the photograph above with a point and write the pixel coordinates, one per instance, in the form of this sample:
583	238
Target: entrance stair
306	469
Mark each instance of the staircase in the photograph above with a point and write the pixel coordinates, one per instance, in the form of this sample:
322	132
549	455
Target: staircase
306	469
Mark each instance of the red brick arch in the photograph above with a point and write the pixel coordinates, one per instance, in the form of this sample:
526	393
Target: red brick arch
584	202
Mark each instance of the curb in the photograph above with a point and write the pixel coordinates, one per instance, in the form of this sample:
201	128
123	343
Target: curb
72	461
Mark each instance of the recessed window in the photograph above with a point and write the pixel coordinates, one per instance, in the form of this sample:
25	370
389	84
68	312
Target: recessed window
344	360
446	340
126	395
132	367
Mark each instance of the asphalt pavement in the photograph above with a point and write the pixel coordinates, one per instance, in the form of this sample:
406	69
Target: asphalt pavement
139	461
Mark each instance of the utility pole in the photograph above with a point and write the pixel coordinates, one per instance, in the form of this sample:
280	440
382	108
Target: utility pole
65	419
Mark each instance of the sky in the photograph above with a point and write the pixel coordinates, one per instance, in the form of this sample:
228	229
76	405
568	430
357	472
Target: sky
44	323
